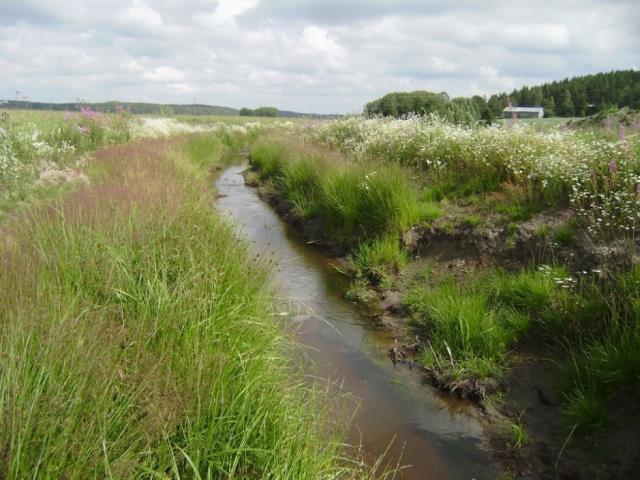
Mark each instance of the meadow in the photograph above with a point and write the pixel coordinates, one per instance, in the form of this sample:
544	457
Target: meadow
369	179
138	336
138	340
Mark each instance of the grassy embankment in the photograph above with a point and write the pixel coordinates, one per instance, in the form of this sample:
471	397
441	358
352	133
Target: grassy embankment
370	180
43	151
138	340
363	206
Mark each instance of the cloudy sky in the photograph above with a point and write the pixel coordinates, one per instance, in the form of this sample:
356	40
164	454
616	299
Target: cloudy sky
307	55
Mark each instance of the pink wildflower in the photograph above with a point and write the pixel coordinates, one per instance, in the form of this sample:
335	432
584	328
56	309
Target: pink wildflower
613	166
88	113
83	130
608	122
622	133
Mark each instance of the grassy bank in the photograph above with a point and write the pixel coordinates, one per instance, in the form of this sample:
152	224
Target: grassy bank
362	207
593	174
571	192
591	323
138	339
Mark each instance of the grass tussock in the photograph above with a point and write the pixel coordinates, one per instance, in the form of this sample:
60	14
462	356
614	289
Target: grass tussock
378	260
464	330
137	340
355	201
363	206
594	324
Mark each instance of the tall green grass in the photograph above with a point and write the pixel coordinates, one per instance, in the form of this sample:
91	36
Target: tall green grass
376	261
471	327
138	340
605	362
464	329
355	201
594	326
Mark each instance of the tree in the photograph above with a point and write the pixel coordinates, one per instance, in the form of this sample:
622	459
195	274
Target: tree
579	97
389	106
266	112
566	107
497	103
403	103
536	96
589	94
549	106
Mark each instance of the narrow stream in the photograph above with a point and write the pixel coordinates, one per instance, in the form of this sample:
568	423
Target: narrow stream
434	435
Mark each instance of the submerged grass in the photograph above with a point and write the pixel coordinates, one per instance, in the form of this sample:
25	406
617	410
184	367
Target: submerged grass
137	338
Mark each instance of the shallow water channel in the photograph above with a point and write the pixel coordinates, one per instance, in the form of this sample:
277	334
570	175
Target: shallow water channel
433	434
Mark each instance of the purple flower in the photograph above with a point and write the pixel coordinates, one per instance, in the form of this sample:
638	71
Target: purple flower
83	130
608	122
622	133
88	113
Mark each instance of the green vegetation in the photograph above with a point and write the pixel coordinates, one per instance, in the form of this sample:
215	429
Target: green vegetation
518	437
565	235
531	170
458	110
260	112
606	365
472	327
137	337
376	260
131	107
577	96
355	201
35	143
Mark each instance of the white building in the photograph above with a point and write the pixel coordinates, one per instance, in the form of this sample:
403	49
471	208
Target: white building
523	112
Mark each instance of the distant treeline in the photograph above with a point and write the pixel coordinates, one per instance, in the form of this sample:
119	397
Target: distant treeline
459	110
577	96
131	107
156	109
260	112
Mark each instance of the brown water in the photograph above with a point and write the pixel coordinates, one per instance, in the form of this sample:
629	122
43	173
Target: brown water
432	434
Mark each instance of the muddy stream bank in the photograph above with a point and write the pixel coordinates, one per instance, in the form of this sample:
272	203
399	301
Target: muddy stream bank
436	435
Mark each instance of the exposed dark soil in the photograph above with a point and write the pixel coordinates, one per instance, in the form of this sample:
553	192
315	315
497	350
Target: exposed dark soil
527	392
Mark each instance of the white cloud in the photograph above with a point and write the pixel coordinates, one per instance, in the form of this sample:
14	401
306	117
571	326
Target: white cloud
139	15
226	11
164	74
179	87
306	55
318	41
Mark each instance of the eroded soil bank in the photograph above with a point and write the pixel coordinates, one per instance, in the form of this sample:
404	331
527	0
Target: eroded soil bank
525	399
